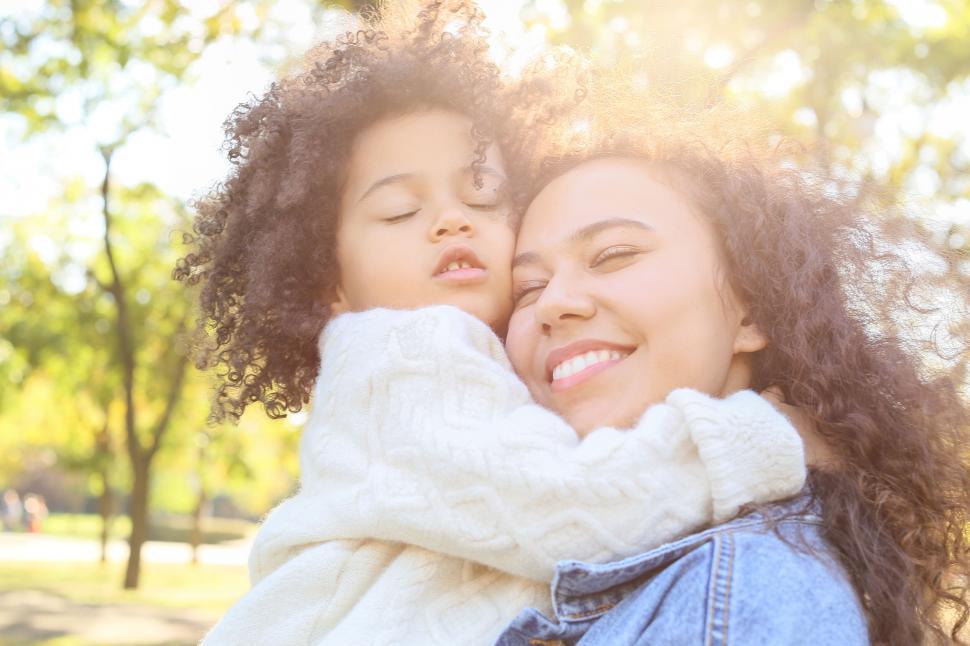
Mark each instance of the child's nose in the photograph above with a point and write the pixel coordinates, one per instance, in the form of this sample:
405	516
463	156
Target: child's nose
451	221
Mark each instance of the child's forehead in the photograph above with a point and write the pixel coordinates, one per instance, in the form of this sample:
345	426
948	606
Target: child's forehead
442	130
427	144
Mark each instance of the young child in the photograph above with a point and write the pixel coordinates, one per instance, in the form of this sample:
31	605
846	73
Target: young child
435	496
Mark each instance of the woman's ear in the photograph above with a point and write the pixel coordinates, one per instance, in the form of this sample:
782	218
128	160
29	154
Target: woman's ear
749	337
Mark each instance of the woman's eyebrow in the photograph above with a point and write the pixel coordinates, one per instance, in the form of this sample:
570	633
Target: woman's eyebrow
590	230
525	258
583	235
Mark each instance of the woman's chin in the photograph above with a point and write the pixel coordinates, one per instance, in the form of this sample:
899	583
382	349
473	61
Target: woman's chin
586	421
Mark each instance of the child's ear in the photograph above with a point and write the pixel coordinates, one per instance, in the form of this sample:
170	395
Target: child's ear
749	337
340	305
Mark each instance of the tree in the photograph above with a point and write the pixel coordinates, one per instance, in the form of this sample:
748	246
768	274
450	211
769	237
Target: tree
118	57
142	447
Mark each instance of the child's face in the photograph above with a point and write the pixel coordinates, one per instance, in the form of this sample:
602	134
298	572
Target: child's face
415	231
622	298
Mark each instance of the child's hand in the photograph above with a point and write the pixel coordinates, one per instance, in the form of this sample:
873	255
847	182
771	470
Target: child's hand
817	451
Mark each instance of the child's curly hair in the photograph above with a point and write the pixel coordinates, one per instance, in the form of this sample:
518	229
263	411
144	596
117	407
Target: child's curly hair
868	326
264	241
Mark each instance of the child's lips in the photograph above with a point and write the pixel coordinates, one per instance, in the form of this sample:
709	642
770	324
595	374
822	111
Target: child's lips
457	257
463	276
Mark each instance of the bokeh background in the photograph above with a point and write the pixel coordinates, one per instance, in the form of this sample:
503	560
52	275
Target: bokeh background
126	516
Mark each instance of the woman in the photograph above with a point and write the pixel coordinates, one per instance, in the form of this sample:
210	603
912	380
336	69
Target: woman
653	232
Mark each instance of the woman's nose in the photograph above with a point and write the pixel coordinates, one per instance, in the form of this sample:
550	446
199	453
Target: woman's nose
451	220
563	300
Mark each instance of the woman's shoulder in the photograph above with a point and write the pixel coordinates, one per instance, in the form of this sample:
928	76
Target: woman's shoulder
764	582
768	577
754	567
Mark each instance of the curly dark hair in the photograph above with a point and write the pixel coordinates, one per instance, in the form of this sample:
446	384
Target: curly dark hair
867	319
264	241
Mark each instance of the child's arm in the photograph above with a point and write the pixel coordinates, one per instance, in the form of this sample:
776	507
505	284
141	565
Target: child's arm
422	434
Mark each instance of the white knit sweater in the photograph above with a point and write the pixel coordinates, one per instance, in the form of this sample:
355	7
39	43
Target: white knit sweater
436	497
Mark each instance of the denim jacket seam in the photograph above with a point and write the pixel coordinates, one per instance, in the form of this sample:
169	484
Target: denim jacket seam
711	589
729	585
586	614
719	590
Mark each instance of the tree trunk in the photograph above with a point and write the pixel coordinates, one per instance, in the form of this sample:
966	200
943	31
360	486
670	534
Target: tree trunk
106	509
198	513
140	453
138	510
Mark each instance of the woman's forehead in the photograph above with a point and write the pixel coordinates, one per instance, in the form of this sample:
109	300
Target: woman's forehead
597	195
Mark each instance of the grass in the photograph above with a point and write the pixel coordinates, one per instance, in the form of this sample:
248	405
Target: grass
85	526
209	588
174	528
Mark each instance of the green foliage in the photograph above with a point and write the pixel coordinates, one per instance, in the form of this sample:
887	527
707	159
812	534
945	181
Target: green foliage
60	385
866	85
89	50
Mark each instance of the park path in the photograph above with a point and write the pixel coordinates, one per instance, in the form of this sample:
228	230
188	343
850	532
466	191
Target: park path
31	616
36	616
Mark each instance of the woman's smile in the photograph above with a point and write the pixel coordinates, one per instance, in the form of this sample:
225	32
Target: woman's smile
574	364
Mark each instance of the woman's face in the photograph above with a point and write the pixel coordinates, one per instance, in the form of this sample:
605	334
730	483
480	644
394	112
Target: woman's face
620	298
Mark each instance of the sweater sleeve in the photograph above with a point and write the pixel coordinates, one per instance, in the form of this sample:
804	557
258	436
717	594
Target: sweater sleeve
422	434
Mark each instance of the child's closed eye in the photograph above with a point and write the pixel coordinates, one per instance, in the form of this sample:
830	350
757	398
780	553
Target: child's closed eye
485	205
400	218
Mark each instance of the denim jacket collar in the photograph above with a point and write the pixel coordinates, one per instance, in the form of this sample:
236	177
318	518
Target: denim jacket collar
584	591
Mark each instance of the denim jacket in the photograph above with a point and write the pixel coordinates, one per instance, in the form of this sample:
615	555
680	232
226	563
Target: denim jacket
737	583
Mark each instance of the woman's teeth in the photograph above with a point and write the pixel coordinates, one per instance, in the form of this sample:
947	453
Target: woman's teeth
455	266
580	362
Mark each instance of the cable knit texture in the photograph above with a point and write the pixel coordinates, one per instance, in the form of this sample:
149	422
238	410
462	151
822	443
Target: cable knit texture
436	497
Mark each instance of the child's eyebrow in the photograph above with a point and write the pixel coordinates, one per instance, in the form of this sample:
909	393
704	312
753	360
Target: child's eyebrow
390	179
400	177
487	170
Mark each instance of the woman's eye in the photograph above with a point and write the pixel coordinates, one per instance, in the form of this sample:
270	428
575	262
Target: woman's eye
400	218
614	253
524	291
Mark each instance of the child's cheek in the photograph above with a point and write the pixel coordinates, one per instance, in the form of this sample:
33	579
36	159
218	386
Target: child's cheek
520	341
